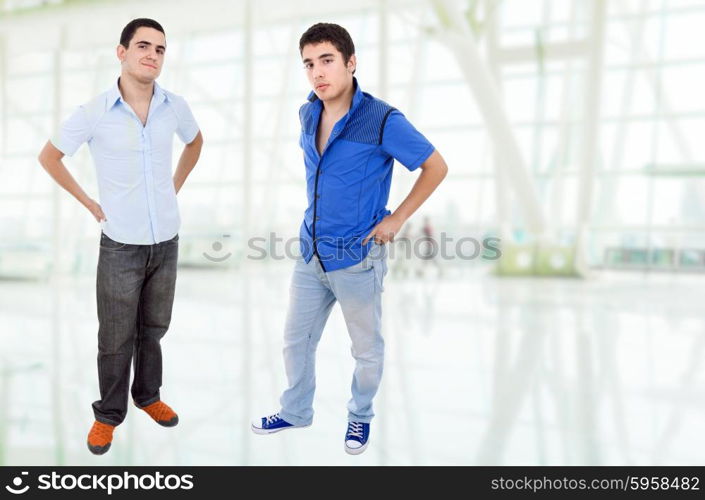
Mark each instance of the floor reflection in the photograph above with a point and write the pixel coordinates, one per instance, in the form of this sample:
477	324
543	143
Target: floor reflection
480	370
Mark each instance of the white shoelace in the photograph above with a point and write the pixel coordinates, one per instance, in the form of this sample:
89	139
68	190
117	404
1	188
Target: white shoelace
273	418
355	429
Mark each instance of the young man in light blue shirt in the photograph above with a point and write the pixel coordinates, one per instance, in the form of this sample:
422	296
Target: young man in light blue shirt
350	141
129	130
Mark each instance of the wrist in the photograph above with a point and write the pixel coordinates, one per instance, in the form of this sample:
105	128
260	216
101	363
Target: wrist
400	217
86	201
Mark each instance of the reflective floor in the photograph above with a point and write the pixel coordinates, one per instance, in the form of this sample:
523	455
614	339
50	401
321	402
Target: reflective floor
479	371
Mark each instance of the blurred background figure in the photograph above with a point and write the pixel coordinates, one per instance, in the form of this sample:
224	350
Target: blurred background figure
429	250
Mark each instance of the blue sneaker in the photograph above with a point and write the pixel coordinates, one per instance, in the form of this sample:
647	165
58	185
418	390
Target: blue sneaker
271	424
356	437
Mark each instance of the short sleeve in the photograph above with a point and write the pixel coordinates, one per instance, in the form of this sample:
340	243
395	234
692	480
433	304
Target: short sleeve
404	143
74	131
187	128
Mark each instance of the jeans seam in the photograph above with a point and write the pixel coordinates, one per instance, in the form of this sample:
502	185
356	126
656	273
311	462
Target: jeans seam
103	247
308	340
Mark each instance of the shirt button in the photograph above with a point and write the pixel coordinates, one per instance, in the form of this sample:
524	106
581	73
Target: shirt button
318	218
318	196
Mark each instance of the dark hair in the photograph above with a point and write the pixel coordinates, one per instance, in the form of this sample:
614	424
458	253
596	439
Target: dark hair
129	30
329	32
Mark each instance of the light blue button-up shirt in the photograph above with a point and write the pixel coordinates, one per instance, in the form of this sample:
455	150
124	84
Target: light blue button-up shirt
132	161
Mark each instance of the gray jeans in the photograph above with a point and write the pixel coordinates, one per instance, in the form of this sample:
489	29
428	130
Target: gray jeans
135	292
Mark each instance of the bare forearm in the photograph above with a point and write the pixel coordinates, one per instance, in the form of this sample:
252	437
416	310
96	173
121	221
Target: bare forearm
58	171
431	176
187	161
50	159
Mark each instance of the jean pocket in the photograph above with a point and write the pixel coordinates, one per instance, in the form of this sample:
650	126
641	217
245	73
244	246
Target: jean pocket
361	267
380	269
299	261
109	244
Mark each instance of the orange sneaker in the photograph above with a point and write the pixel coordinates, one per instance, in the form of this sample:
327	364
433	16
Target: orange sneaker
100	437
161	413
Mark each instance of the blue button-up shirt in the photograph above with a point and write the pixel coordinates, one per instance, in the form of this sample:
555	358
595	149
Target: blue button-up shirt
132	161
348	185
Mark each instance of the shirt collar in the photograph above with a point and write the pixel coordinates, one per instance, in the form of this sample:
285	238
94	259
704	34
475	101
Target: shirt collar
114	95
357	96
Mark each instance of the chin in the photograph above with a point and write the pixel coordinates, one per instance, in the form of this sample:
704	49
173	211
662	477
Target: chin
148	77
328	96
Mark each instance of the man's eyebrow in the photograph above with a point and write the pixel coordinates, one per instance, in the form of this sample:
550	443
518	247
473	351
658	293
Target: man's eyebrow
308	59
150	43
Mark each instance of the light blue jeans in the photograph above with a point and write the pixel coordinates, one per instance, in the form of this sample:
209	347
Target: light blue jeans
312	295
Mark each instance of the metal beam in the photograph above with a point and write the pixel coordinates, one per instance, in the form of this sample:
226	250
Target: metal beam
590	145
56	271
247	133
3	95
383	46
554	51
456	34
501	189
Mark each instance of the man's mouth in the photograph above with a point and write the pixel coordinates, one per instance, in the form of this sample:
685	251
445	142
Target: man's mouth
149	66
321	86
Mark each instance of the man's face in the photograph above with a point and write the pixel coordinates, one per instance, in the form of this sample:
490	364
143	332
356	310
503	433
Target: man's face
144	57
327	72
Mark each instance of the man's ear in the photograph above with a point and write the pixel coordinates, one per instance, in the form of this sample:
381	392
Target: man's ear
120	52
352	63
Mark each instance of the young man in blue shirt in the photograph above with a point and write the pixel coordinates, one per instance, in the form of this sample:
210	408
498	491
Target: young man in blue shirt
129	130
350	141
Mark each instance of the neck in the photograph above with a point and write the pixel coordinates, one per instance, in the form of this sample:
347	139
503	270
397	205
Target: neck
134	90
341	104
